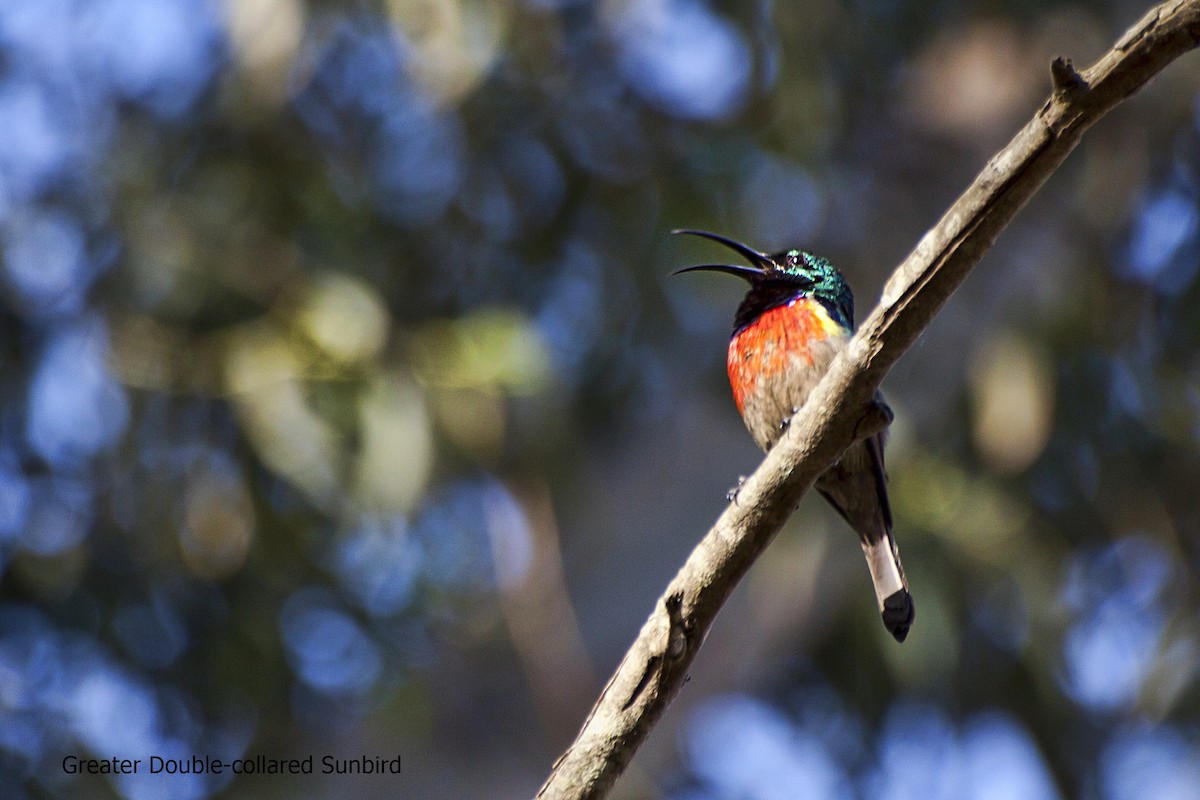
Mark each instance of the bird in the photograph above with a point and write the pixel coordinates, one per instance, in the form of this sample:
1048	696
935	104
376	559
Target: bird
797	315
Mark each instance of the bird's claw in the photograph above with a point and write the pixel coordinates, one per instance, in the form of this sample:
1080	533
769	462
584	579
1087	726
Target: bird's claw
883	410
732	494
877	416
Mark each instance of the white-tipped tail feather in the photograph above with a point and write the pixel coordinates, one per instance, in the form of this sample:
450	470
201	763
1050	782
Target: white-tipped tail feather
891	590
885	572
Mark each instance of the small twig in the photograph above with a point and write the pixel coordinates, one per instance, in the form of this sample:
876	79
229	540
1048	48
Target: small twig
1064	76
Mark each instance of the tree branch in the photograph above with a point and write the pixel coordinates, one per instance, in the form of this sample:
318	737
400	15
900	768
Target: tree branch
837	412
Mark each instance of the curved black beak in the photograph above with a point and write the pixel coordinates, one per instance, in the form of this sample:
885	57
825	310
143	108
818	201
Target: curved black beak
760	260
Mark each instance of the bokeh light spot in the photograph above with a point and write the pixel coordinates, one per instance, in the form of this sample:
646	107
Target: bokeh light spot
158	52
378	564
496	349
328	648
1013	392
1114	641
1164	224
745	748
76	408
396	454
1002	762
345	317
683	57
46	259
1150	763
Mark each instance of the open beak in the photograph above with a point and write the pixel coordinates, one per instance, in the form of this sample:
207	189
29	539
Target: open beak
761	261
748	273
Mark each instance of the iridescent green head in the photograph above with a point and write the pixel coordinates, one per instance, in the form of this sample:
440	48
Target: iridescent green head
778	278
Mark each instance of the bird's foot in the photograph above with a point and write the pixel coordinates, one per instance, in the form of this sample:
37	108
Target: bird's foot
732	494
882	410
786	422
877	416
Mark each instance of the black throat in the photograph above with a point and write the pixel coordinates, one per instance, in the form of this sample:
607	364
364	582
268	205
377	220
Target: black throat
762	297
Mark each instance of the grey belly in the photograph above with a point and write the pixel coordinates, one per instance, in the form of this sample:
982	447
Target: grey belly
777	399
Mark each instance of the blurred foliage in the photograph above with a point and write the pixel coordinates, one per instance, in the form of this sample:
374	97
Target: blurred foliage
345	407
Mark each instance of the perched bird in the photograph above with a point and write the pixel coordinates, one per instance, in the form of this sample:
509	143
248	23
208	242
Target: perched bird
798	314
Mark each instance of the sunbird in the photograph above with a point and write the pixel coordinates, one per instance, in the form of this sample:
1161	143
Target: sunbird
798	315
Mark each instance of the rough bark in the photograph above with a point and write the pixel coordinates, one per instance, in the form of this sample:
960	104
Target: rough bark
837	413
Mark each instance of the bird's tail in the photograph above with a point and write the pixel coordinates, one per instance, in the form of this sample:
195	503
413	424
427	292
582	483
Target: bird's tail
891	587
856	487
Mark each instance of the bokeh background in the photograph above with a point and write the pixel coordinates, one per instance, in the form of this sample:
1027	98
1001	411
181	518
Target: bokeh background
346	407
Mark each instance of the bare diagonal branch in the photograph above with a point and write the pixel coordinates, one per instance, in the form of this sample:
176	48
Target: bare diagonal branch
835	415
